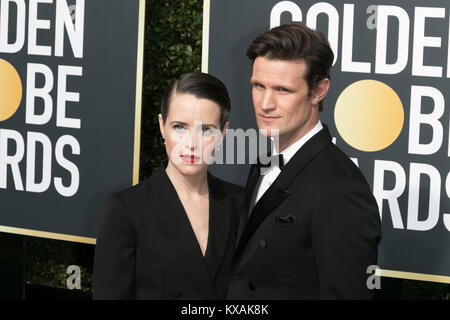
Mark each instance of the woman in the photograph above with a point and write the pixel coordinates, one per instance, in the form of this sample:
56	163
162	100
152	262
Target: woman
173	235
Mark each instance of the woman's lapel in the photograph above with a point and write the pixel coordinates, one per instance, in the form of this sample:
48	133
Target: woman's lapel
220	215
164	199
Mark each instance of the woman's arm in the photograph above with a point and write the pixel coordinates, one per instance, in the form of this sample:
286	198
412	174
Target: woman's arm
114	263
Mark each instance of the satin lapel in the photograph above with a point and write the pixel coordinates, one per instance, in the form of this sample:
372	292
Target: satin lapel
168	207
268	202
220	214
278	191
252	181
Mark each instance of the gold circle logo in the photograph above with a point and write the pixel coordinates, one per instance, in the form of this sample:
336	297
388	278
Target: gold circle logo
369	115
10	90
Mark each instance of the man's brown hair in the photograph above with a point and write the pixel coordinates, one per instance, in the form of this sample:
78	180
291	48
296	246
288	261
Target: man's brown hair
296	42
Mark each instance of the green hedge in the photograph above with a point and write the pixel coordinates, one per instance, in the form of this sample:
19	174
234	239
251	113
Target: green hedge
172	47
173	39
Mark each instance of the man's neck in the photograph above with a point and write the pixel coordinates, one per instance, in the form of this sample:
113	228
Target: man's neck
284	143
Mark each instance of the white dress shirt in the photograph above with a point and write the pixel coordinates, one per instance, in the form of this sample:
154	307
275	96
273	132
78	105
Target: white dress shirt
270	175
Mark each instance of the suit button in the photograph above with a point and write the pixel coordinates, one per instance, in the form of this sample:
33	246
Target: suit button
236	277
251	286
263	244
175	293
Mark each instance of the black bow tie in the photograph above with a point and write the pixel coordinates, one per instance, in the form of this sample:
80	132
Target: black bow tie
271	161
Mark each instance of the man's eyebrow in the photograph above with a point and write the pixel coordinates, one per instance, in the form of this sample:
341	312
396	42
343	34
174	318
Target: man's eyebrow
281	85
209	125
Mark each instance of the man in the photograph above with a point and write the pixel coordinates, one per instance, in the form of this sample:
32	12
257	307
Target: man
310	227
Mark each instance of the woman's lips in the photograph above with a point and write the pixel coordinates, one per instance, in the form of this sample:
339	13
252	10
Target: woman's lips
190	158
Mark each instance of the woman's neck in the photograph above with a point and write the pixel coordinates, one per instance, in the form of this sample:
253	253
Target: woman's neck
192	185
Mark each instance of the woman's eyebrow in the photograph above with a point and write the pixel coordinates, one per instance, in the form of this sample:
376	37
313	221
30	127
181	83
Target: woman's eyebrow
179	122
184	123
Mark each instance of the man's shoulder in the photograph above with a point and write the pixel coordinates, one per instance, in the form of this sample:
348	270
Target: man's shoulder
341	159
333	161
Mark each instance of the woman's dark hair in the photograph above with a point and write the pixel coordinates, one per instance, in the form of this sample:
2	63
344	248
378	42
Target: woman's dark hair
296	42
202	86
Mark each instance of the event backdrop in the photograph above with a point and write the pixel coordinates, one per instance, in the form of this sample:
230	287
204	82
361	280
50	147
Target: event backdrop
386	108
70	92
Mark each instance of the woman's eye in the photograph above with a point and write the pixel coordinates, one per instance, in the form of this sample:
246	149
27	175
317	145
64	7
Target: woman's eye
178	127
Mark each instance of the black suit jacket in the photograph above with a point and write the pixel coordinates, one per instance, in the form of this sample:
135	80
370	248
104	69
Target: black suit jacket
146	248
314	232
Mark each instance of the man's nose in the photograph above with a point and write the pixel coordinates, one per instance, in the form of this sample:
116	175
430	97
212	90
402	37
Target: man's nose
267	102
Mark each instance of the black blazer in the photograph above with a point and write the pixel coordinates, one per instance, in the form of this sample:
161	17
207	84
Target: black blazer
147	249
314	232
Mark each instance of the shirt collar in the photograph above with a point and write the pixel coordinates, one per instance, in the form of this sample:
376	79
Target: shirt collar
289	152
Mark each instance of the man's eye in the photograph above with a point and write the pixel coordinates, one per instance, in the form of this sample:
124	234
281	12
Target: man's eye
281	89
206	130
258	85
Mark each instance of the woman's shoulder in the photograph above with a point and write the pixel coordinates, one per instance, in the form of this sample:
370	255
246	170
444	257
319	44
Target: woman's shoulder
132	191
133	195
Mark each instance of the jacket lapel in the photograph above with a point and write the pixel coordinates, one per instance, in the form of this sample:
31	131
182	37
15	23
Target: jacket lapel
249	192
170	210
278	191
220	215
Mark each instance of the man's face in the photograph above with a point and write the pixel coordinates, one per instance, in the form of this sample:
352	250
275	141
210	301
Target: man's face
281	99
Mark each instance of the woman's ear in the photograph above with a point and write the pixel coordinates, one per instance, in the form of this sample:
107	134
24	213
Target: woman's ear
161	126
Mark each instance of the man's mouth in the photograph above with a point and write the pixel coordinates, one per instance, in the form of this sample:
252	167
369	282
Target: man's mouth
268	118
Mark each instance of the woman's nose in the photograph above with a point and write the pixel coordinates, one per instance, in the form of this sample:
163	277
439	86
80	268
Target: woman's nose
194	140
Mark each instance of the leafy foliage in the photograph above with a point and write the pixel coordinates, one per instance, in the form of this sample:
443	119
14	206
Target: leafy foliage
46	262
173	41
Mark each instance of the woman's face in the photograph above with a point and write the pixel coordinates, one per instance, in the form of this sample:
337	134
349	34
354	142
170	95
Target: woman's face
192	132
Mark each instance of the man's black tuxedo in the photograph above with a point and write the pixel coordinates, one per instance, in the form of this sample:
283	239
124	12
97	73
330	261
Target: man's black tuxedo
313	233
147	249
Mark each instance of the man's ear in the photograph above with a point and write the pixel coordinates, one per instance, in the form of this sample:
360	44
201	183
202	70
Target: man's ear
161	126
225	127
320	91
